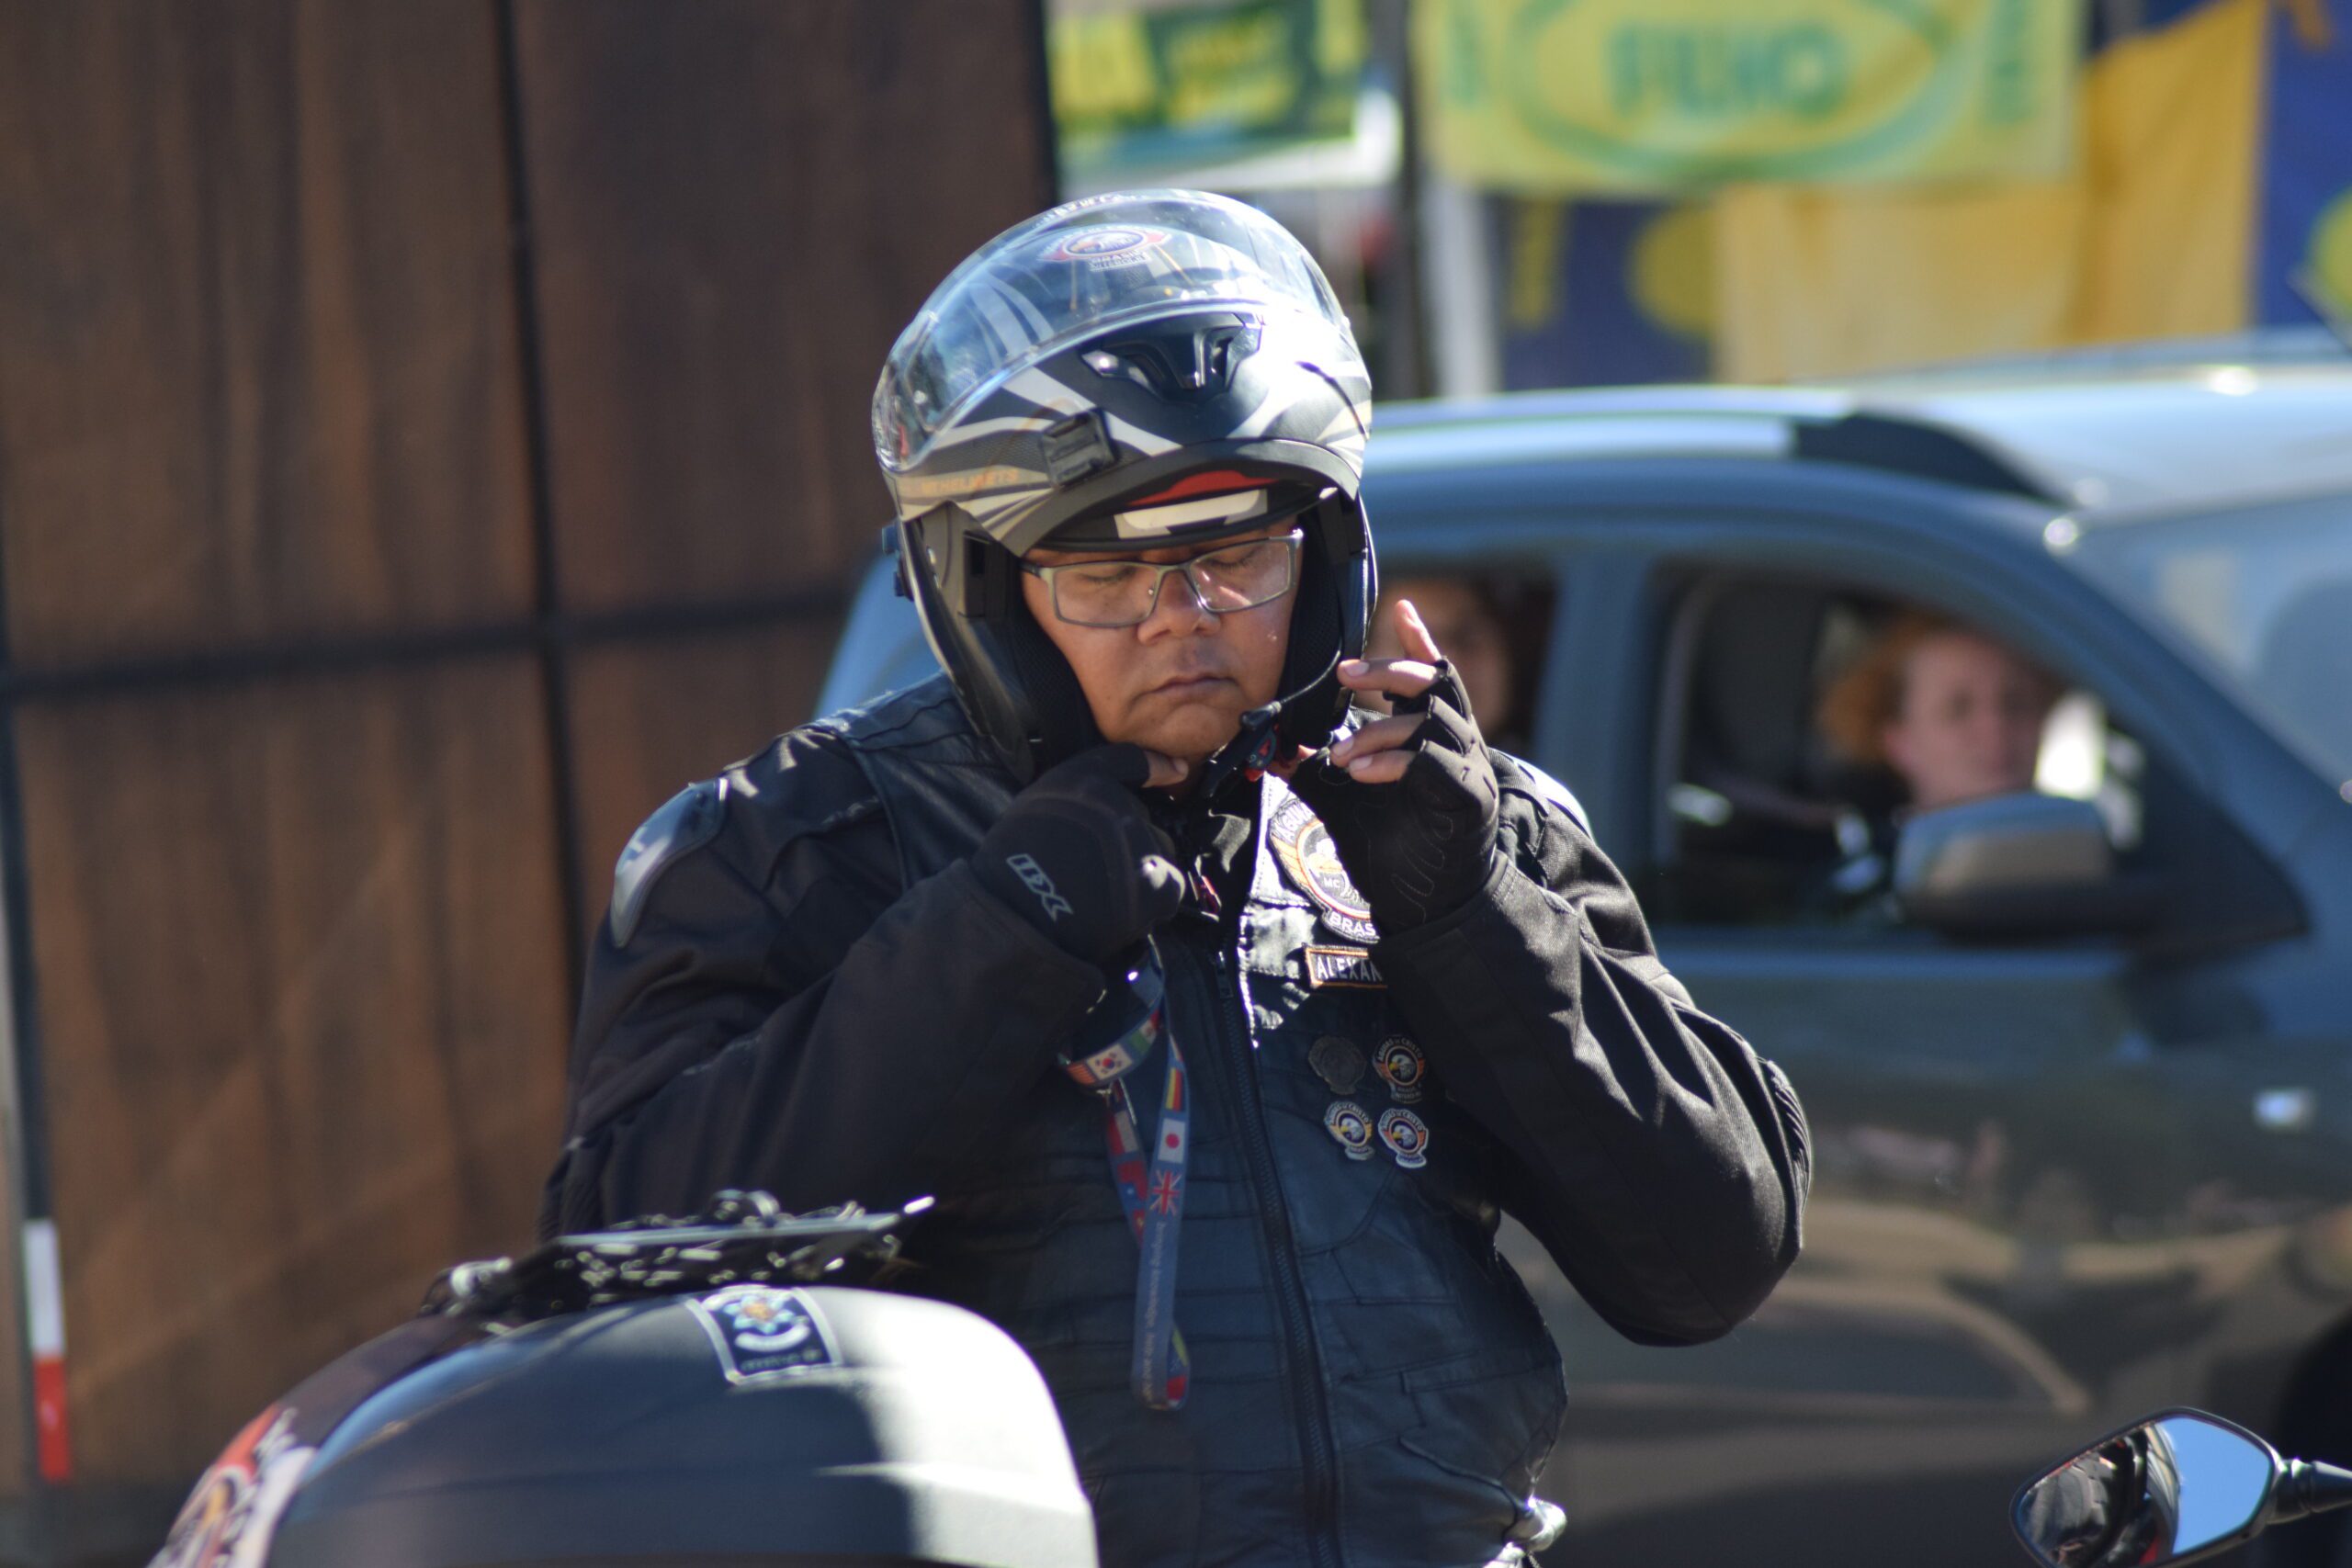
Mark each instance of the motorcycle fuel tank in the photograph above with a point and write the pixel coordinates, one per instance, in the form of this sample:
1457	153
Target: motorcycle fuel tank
738	1427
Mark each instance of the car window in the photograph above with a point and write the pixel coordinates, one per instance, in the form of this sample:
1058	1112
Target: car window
1803	722
2264	592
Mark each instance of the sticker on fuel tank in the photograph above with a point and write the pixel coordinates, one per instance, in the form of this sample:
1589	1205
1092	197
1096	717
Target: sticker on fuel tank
764	1331
231	1516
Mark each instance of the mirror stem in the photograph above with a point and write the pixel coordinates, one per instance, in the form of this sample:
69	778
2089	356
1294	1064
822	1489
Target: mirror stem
2310	1487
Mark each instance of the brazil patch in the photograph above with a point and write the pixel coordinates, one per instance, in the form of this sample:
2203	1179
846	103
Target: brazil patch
687	820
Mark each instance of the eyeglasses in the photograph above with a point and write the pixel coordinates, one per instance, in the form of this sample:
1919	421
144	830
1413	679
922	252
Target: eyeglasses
1125	592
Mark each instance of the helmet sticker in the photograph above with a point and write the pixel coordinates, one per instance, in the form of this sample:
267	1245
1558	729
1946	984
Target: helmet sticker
1102	249
762	1332
1150	522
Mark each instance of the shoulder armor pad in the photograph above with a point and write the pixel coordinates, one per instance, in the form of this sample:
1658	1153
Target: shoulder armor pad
686	822
1546	788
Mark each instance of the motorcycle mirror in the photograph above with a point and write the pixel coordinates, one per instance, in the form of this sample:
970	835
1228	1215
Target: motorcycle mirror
2176	1487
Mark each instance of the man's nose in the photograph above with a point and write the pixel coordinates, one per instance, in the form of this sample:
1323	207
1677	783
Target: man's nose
1181	610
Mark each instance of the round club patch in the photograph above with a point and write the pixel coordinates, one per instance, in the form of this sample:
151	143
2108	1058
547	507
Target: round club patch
1402	1068
1338	1063
1407	1137
1351	1125
1311	860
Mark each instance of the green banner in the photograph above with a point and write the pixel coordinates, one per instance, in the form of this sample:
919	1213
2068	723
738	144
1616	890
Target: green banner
1139	84
1566	96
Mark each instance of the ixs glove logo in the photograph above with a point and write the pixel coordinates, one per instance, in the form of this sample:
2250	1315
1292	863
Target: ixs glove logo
1033	876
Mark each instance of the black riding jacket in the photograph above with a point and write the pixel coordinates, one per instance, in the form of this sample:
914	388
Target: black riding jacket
803	987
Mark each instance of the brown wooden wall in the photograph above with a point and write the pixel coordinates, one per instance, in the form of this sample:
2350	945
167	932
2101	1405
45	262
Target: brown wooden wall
431	432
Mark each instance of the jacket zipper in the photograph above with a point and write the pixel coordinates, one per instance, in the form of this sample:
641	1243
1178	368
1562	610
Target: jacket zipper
1290	1290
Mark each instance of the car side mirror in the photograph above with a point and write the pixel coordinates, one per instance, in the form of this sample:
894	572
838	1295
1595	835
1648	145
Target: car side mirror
2018	866
2181	1485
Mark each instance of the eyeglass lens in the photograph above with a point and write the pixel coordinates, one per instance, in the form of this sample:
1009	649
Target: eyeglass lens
1124	593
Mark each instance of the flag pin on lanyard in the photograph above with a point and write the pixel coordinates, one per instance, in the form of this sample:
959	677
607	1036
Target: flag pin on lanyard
1149	1178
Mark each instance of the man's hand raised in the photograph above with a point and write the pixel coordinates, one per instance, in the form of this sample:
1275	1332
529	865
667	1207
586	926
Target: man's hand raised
1077	854
1410	800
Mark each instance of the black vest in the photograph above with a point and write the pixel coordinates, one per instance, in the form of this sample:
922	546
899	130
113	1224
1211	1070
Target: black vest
1372	1385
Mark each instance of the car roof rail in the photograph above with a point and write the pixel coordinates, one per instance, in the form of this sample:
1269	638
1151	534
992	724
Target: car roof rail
1810	425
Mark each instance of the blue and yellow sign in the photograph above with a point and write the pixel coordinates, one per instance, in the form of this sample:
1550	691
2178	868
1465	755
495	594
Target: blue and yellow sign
1139	83
2304	231
1561	97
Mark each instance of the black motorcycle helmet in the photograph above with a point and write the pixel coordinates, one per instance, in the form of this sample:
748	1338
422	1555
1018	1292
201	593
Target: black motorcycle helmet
1146	367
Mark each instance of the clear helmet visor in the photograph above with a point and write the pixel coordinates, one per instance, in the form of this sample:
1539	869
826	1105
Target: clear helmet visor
1067	274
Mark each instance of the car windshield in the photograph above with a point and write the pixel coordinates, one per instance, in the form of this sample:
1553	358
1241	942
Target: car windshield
2267	593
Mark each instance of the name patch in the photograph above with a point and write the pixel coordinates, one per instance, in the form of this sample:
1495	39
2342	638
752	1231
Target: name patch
1343	966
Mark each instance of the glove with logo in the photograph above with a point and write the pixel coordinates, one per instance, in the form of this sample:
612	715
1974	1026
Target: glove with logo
1422	846
1077	854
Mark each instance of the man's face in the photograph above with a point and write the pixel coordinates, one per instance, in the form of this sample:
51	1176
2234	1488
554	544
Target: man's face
1179	681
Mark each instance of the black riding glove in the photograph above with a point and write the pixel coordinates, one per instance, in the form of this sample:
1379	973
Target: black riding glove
1076	853
1422	846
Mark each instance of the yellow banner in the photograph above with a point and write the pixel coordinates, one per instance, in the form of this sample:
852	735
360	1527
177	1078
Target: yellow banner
1566	97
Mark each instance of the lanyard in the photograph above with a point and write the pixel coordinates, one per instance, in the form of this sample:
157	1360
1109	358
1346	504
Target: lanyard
1151	1185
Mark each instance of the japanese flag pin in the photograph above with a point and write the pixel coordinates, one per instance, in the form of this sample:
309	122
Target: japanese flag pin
1351	1125
1407	1137
1402	1068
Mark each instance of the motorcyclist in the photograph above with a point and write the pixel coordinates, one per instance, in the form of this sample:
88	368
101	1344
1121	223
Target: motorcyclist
1335	990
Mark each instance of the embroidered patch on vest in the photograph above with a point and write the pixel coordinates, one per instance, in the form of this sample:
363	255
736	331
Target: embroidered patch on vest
1343	966
1312	863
